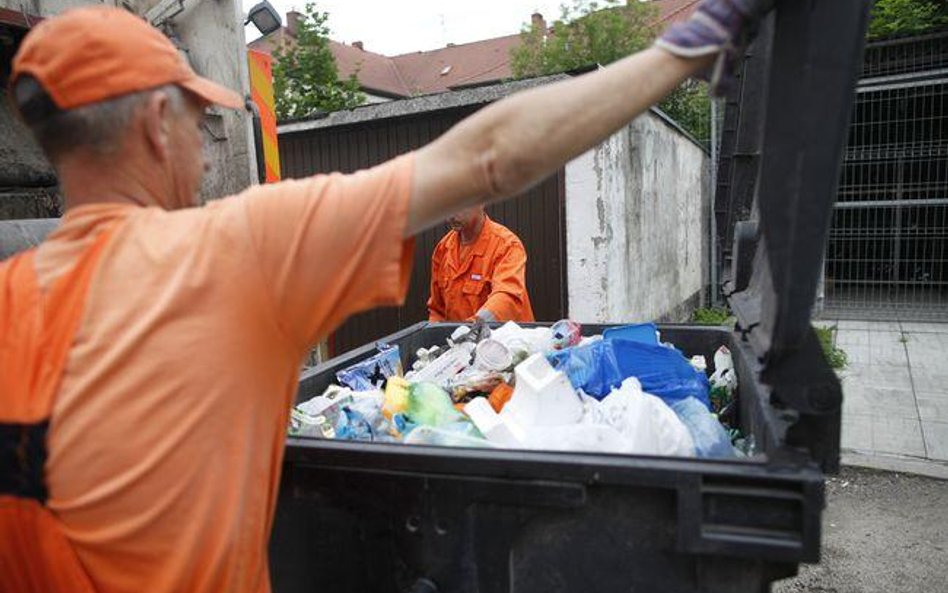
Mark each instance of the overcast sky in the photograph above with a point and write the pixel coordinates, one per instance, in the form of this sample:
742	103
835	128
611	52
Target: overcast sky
391	28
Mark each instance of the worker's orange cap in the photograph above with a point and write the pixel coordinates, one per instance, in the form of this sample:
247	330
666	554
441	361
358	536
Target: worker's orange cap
96	53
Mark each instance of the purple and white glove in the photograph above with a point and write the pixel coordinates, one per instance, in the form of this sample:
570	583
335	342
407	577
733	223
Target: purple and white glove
721	27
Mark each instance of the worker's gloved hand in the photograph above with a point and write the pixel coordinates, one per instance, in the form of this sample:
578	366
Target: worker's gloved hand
718	27
474	333
479	328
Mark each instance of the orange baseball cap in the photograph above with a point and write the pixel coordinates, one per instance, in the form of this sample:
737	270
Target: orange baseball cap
95	53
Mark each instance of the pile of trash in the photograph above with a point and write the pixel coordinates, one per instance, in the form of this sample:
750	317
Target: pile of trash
543	388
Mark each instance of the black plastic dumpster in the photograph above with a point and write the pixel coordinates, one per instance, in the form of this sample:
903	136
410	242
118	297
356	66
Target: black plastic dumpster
393	518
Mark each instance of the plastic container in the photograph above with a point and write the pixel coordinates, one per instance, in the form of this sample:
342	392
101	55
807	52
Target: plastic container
492	355
647	333
445	367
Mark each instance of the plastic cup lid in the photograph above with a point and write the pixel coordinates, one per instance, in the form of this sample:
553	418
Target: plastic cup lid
493	355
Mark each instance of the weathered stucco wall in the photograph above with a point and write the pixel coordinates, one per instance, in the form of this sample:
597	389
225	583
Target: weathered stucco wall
637	210
212	33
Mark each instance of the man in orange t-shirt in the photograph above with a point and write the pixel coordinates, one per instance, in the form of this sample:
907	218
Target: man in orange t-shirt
143	412
478	271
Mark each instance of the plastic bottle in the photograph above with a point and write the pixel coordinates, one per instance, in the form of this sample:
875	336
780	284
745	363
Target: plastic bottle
566	333
723	381
396	397
711	440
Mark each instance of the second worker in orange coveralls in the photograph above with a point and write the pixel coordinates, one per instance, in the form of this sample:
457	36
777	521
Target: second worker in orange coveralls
478	270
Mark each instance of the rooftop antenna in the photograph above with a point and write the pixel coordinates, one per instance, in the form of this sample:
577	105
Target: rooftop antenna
444	33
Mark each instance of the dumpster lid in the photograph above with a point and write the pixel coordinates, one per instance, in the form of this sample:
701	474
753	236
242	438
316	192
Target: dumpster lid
798	127
794	108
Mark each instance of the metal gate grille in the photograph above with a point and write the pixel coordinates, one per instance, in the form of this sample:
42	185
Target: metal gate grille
887	255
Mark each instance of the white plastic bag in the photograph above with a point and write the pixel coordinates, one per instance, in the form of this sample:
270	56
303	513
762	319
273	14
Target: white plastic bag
532	339
647	424
592	438
450	435
626	421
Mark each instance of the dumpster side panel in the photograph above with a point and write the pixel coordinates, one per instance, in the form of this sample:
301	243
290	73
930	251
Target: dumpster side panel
348	530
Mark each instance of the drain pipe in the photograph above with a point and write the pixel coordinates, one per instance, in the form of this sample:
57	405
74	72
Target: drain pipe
713	223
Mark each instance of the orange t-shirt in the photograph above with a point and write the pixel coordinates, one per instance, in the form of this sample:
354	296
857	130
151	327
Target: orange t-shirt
489	275
167	433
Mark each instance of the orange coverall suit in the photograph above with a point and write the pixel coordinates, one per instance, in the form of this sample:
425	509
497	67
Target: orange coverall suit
35	554
488	275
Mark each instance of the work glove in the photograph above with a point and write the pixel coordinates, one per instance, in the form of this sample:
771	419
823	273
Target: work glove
718	27
479	329
475	332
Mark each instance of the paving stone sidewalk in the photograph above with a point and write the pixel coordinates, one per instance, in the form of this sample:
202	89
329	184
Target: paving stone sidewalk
895	391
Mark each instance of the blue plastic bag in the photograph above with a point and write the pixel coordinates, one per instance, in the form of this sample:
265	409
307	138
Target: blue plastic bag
599	367
592	368
362	420
353	426
711	440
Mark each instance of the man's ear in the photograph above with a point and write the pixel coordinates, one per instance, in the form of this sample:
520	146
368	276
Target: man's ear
157	125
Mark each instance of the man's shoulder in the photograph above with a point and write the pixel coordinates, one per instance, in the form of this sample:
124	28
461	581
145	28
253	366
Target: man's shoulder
504	235
8	262
447	241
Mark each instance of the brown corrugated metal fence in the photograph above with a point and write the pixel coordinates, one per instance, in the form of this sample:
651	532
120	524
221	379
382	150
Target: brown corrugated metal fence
536	216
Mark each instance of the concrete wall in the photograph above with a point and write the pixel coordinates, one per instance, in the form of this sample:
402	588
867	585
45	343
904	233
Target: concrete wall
370	98
637	210
27	181
212	33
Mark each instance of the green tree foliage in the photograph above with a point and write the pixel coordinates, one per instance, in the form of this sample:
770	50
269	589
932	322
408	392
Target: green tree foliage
585	34
907	17
690	106
590	33
712	316
305	78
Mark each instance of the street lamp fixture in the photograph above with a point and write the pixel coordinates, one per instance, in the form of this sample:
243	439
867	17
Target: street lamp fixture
264	17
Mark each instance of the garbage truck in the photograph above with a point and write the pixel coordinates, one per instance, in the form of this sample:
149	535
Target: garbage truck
209	35
389	517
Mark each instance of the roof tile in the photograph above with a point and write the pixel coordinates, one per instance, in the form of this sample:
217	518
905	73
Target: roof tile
438	70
